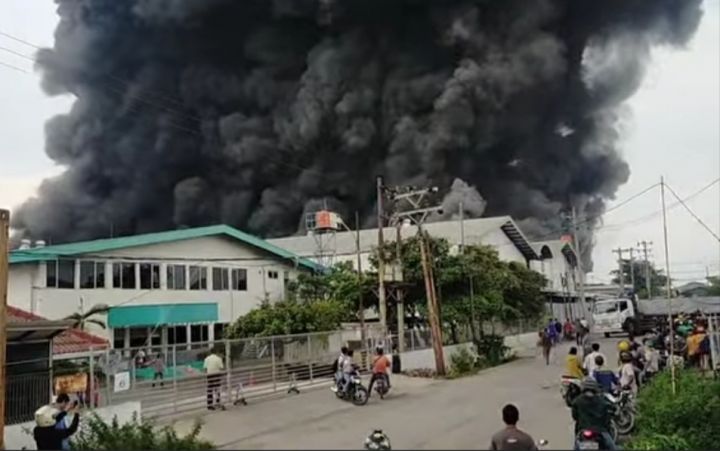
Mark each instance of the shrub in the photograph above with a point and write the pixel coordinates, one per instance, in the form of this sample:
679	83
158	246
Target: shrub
96	434
686	420
493	349
462	362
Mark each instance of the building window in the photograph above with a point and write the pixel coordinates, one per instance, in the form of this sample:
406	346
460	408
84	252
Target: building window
124	276
198	278
199	333
176	277
272	275
92	275
149	276
220	279
219	330
239	280
177	335
60	274
118	338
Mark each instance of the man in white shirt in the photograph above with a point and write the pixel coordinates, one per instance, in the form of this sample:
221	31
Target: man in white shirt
589	362
214	368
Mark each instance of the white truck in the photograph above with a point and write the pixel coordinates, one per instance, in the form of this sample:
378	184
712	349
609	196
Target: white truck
621	315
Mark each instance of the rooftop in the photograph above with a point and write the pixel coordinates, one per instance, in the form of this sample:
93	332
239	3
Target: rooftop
89	247
69	341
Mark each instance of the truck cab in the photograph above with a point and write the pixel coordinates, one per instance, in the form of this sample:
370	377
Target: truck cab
613	315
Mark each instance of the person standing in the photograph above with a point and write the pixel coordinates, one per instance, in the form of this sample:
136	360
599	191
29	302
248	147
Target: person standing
62	403
214	367
510	438
46	433
558	330
627	372
159	370
545	343
589	361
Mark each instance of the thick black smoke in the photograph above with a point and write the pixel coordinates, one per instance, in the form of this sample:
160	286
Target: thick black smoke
194	112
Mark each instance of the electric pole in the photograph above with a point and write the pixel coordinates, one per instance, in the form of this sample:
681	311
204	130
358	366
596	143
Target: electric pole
382	303
632	269
667	286
400	307
4	237
359	272
621	273
648	283
578	251
418	214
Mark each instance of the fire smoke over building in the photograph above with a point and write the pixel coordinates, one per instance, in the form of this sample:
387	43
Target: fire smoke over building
251	112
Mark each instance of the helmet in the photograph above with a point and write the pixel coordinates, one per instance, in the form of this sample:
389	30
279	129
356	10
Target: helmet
45	416
377	440
625	357
589	384
624	346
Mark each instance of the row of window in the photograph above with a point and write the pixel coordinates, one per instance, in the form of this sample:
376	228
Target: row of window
139	336
61	274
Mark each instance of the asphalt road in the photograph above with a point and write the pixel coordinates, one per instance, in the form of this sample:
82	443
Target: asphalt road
419	413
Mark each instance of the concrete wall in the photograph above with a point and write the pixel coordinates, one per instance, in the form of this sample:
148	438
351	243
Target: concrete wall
19	436
27	281
522	345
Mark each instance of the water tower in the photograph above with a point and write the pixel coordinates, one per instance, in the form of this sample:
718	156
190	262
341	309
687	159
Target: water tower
323	226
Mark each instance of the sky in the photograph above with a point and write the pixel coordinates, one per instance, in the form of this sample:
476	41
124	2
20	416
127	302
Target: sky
672	130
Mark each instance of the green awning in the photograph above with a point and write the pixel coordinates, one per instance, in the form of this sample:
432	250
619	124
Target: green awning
162	314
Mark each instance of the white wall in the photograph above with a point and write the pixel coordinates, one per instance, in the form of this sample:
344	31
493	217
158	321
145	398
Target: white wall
27	291
17	436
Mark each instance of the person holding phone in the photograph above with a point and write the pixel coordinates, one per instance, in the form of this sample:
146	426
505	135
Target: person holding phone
46	432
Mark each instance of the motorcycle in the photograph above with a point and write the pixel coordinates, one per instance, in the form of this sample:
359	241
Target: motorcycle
356	392
624	412
587	439
569	389
381	387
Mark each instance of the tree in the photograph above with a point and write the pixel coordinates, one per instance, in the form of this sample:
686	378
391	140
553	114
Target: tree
714	288
82	319
657	278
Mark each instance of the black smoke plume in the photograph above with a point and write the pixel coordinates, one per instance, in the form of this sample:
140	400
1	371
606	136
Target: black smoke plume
194	112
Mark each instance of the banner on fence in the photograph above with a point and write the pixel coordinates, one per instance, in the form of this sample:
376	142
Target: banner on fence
71	383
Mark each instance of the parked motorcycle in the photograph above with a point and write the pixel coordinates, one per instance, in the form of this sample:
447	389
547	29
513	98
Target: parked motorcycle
356	391
624	412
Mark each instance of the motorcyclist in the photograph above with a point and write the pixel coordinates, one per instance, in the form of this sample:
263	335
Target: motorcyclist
347	370
338	365
628	375
381	363
591	410
377	440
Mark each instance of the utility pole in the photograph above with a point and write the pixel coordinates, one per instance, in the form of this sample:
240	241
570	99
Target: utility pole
359	278
470	277
667	286
648	282
4	238
621	273
632	269
400	310
578	251
418	214
382	303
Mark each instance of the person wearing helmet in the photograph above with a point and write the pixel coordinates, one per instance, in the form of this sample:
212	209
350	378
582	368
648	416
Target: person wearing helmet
591	410
377	440
381	364
338	365
46	433
628	377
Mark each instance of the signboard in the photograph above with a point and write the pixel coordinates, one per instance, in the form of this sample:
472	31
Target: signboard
122	381
71	383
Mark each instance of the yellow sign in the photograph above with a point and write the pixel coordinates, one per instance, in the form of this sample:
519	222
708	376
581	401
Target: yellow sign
72	383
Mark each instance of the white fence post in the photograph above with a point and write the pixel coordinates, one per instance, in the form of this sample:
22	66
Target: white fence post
175	376
272	361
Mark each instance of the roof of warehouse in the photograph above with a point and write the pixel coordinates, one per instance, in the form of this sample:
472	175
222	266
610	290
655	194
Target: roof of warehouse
109	244
69	341
475	230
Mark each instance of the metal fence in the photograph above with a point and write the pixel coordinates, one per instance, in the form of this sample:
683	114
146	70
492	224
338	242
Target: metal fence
714	338
170	380
24	393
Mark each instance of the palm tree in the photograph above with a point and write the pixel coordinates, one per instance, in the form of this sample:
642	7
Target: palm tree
82	319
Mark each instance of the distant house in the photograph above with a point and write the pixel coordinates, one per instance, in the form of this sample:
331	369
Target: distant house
692	289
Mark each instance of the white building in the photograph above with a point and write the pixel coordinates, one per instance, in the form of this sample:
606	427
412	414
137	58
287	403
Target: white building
179	286
334	247
559	263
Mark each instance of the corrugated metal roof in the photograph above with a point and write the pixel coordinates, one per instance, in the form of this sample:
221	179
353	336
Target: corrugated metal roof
476	230
69	341
109	244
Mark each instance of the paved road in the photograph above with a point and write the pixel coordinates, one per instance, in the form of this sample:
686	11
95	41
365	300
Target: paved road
420	414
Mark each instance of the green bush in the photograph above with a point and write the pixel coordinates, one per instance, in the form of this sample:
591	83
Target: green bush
96	434
462	362
687	420
493	349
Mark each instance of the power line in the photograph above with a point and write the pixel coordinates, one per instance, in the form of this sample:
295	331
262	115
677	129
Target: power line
10	66
692	213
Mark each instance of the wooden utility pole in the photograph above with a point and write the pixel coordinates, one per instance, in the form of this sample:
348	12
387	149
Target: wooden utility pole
432	307
382	302
4	252
470	277
667	286
648	282
576	242
361	304
400	292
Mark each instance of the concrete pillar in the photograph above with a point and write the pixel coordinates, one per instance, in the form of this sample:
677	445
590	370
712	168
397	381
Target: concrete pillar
211	332
164	340
126	340
189	336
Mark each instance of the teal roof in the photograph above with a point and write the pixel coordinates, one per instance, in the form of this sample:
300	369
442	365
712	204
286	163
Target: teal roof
109	244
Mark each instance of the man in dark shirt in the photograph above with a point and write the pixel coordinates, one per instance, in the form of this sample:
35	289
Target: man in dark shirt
511	438
604	377
591	410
